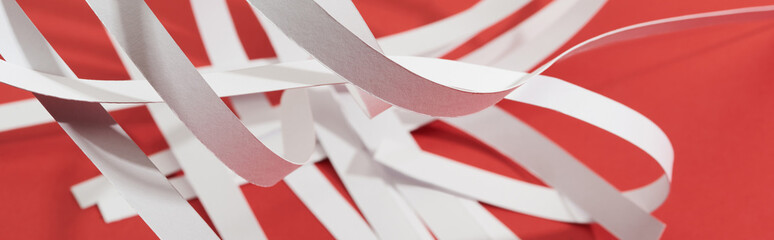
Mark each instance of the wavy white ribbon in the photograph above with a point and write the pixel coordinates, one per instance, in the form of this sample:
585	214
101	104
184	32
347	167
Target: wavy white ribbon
426	85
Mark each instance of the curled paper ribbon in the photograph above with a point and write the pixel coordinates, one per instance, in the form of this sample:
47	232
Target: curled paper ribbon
220	195
342	51
413	83
99	137
162	62
310	73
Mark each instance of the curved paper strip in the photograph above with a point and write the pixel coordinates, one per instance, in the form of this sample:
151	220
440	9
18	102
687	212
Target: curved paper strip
347	14
760	16
560	170
327	204
449	31
295	112
307	73
602	112
639	121
209	178
387	213
162	62
340	50
101	139
662	26
275	77
218	33
575	102
298	137
140	91
448	216
220	196
532	41
93	191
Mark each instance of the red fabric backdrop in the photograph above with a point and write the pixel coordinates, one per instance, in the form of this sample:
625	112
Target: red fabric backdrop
708	89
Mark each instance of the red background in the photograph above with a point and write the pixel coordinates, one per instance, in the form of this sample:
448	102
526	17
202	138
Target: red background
708	89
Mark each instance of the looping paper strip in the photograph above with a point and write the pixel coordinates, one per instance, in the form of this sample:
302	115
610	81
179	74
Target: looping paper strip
101	139
398	187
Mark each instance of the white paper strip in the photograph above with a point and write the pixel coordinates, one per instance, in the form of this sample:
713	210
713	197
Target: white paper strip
307	182
475	19
162	62
218	33
434	39
623	34
139	91
92	190
387	213
558	169
447	216
102	140
341	50
209	178
568	99
529	43
325	202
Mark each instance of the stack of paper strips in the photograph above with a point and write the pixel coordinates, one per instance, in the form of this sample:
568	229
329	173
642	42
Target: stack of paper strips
301	101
